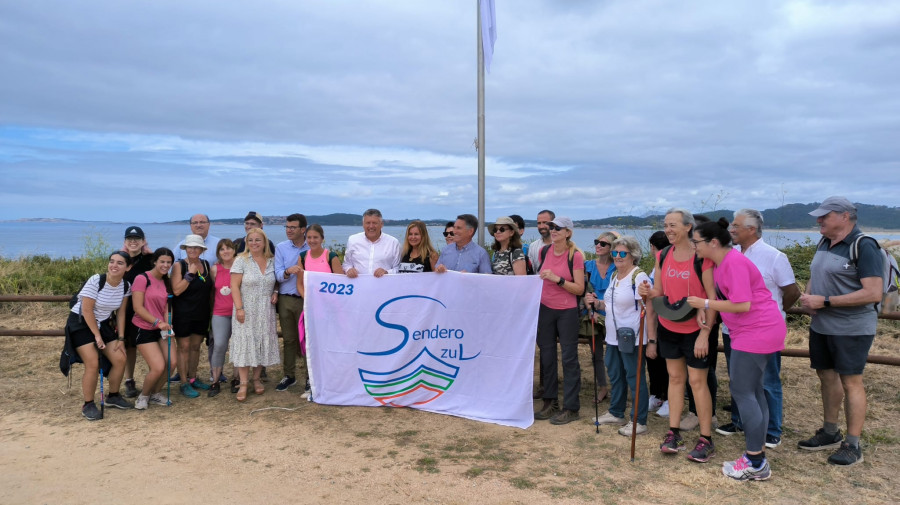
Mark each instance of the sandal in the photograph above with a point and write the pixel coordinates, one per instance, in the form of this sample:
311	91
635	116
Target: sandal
242	391
235	384
258	387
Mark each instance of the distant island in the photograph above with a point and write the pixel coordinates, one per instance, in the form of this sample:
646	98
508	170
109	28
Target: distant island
790	216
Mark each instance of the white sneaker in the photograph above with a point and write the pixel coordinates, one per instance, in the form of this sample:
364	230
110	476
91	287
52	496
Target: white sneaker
608	418
654	404
663	411
625	431
690	422
159	399
141	402
306	395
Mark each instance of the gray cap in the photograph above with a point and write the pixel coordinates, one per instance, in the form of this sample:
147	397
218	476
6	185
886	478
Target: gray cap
834	204
564	222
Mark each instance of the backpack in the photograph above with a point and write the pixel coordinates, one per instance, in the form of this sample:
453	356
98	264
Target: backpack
890	275
578	298
698	261
69	355
331	256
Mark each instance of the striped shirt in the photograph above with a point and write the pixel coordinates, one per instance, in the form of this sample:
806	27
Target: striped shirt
106	301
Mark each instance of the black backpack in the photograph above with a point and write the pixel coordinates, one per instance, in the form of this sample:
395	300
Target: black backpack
698	261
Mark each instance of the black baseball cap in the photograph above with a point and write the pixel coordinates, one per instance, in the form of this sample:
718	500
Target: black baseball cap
134	231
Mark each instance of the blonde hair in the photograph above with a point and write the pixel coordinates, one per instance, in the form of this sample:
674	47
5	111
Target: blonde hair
571	245
424	249
267	251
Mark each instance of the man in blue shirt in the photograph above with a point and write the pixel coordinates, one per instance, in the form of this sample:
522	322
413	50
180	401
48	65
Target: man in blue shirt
290	304
464	255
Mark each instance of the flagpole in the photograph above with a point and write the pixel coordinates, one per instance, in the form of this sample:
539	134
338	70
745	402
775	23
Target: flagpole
481	142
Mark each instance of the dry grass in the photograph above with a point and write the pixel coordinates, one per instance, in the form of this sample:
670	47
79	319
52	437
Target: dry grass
468	461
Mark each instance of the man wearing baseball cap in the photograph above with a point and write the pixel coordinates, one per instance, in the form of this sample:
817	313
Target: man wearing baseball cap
253	220
840	297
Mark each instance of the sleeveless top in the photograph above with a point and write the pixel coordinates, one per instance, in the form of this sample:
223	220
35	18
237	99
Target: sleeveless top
319	264
193	303
414	265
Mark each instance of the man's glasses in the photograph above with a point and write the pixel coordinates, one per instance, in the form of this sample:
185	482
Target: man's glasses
448	234
199	222
601	243
291	228
619	254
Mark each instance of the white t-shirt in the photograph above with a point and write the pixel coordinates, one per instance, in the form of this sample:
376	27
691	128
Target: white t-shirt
774	267
621	298
106	301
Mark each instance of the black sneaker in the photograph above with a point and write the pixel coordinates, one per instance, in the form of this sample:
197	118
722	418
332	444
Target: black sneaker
847	455
263	376
118	402
821	441
285	383
214	389
704	450
548	410
772	441
91	412
728	429
130	389
564	417
235	385
175	378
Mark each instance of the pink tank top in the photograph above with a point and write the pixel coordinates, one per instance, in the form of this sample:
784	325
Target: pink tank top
319	264
222	304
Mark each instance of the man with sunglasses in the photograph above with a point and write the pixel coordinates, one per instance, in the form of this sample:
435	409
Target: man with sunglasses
464	255
534	249
448	232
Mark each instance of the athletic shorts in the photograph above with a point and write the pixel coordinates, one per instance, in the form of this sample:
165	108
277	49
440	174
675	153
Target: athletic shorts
147	336
81	334
131	332
845	354
672	345
187	327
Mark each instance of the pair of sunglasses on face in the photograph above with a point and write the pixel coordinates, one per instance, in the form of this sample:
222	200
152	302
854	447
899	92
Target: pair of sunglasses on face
619	254
553	227
501	229
448	234
601	243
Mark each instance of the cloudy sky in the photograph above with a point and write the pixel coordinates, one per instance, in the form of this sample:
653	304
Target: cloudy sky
153	110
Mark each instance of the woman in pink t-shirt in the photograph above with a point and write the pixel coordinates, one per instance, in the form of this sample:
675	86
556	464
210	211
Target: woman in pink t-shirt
562	269
150	295
223	307
757	331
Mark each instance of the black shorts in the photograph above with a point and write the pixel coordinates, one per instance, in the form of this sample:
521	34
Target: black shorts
131	332
147	336
672	345
845	354
81	334
188	327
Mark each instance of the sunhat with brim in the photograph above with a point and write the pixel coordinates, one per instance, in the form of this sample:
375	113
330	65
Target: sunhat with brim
504	221
193	241
677	312
564	222
833	204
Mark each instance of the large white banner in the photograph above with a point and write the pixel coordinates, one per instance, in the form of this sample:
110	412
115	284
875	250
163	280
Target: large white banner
451	343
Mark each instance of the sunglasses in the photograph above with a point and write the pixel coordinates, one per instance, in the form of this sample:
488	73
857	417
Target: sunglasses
501	229
448	234
619	254
601	243
553	227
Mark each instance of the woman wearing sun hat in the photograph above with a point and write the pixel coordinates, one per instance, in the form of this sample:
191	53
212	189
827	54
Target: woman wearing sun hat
192	283
508	257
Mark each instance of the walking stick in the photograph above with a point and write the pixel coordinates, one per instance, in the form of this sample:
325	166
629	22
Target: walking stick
637	386
101	390
594	365
169	334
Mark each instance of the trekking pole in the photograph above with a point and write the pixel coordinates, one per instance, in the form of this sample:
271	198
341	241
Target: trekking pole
637	386
101	389
594	366
169	334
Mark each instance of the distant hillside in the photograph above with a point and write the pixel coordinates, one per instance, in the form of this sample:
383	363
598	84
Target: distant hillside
793	216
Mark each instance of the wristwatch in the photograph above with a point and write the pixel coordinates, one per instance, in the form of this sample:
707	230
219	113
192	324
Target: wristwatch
651	341
560	282
827	302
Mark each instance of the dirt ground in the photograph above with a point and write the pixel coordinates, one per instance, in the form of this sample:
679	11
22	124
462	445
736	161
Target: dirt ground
278	448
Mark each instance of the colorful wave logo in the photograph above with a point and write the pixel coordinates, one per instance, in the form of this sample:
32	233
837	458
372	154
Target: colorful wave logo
422	380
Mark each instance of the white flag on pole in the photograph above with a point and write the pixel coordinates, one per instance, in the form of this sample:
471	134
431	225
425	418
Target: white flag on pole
488	31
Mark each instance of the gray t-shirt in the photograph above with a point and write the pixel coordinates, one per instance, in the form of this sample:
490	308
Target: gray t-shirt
832	273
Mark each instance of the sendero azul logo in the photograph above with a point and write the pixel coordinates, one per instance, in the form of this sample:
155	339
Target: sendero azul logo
431	372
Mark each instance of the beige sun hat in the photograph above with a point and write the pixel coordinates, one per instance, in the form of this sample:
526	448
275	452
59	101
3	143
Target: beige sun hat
193	241
504	221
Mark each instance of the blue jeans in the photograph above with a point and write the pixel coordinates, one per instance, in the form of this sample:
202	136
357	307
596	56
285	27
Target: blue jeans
622	369
771	386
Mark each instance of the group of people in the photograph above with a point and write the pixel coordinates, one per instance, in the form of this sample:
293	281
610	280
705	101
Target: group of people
226	292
